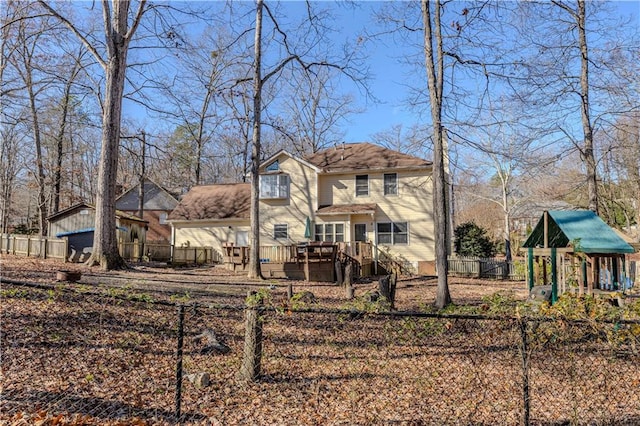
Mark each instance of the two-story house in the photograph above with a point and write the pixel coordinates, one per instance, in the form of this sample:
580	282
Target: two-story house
351	192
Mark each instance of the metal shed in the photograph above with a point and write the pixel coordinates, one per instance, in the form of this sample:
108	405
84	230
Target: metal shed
585	254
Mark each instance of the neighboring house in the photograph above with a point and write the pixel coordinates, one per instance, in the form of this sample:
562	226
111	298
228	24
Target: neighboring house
352	192
77	224
158	204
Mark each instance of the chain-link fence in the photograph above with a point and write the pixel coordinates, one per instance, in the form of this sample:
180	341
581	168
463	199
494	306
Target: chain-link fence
116	357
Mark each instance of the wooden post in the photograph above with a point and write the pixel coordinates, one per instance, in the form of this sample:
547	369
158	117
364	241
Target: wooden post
306	263
178	396
554	276
530	267
583	282
592	276
250	369
289	291
615	279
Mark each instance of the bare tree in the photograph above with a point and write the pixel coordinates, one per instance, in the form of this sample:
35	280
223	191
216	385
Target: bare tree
434	62
30	36
314	109
118	34
344	65
561	43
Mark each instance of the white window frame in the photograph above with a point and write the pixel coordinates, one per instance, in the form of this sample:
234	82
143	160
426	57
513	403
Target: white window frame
162	218
393	185
274	190
392	233
329	232
277	231
357	188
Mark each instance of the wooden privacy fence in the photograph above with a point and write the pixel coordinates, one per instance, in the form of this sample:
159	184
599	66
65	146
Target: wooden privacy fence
487	268
34	246
148	251
197	255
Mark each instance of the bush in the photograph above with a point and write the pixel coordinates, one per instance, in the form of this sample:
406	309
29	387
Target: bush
472	240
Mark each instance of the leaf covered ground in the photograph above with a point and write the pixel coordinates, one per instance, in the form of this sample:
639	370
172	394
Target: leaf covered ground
103	351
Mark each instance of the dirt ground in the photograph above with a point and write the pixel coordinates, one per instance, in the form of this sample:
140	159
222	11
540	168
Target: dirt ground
216	282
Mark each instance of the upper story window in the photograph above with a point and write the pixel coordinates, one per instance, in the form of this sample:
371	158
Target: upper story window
274	186
362	185
162	219
273	167
393	233
390	184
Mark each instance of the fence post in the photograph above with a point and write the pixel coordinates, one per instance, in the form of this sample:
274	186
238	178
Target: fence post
179	361
525	371
252	357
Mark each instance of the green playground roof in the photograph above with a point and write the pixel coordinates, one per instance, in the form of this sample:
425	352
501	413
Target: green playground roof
581	228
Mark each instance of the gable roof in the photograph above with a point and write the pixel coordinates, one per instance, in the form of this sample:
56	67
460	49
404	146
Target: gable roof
363	156
583	226
271	159
69	211
155	198
214	202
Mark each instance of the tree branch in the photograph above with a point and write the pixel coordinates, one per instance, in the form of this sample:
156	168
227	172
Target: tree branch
73	29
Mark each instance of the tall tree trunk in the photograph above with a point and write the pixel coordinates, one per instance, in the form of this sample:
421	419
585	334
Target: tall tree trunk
435	73
40	177
254	250
105	242
592	180
118	34
57	179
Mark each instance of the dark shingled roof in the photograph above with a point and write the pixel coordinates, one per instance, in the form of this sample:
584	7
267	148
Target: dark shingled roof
224	201
583	228
363	156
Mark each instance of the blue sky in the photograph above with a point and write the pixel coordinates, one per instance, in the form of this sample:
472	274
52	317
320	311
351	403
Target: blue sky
389	84
389	78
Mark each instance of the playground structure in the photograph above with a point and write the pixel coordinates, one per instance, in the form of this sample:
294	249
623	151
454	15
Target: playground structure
575	251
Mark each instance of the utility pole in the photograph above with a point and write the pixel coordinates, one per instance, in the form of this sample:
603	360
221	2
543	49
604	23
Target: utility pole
141	178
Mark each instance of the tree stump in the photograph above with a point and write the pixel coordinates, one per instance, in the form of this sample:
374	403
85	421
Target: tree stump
387	288
70	276
289	291
348	275
349	291
252	357
339	279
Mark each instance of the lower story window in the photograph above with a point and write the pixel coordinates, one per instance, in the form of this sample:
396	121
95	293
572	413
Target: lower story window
280	231
329	232
393	233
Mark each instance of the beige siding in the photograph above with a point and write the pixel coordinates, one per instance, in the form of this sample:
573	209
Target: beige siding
208	234
413	205
293	211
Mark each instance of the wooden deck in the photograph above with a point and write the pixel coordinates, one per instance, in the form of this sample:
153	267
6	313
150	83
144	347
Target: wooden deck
313	261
